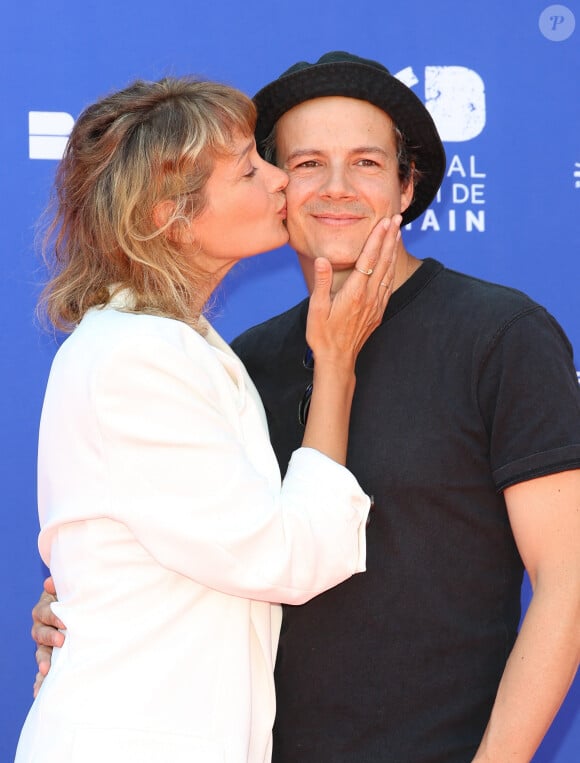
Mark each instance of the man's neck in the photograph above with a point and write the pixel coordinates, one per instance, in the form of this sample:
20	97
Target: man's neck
406	265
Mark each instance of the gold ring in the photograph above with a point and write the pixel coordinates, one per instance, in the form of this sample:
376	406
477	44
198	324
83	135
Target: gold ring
368	272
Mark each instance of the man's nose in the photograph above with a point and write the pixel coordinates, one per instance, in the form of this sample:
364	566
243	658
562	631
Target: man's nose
337	184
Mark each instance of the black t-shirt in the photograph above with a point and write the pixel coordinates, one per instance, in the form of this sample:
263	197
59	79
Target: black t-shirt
466	388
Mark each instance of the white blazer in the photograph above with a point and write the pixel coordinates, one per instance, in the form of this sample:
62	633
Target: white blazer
168	532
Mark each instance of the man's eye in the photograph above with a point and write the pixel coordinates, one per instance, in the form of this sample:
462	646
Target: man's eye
367	163
309	163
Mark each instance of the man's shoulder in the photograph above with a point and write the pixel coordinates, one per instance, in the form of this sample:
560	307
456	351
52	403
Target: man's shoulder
274	332
489	311
478	304
478	289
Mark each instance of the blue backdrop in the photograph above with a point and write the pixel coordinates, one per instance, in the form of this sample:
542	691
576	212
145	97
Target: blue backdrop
501	80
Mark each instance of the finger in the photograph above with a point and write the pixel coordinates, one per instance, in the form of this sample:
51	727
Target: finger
46	597
371	251
320	299
49	586
42	613
363	285
37	684
387	282
386	290
46	635
384	270
320	296
43	657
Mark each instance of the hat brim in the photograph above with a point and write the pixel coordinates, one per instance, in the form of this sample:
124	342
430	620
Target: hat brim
367	83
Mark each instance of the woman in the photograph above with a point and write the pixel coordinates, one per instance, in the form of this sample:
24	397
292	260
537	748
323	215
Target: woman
161	506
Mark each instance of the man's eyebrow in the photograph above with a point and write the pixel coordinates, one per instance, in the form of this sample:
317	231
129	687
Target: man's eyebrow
369	150
314	152
300	152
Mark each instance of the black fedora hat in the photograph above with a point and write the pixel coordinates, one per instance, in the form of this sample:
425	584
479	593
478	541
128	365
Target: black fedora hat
340	73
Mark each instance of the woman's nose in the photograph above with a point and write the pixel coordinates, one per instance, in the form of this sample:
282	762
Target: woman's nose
279	178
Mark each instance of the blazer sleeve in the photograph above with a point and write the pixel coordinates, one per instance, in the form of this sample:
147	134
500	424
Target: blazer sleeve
184	481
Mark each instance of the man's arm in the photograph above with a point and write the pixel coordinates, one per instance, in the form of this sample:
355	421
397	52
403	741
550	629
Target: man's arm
45	632
545	519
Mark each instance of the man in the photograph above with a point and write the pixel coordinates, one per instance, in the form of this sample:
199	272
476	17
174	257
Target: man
465	428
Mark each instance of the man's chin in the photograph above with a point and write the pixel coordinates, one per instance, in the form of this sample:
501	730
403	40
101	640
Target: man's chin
340	260
342	254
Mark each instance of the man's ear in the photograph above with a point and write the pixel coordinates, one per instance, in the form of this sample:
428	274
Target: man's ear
408	191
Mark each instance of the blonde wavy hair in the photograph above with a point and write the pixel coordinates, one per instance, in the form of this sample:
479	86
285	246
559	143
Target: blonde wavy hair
127	153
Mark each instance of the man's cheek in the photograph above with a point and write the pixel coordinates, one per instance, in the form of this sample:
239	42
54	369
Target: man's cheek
295	216
295	229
